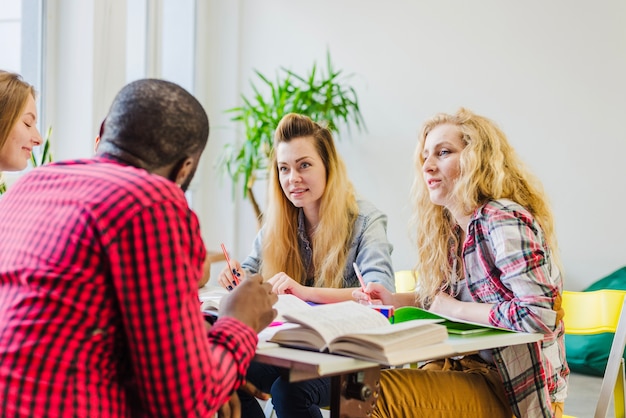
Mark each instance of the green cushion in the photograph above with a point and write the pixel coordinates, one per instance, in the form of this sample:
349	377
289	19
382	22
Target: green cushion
615	280
588	354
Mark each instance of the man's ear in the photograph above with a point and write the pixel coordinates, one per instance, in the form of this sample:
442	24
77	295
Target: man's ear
97	140
183	170
102	127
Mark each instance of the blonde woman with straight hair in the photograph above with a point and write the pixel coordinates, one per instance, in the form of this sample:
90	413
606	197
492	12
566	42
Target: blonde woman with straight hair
314	229
487	253
18	122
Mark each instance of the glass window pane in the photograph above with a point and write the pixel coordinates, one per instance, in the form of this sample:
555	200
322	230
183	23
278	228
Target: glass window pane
10	35
11	9
10	43
21	50
136	39
178	42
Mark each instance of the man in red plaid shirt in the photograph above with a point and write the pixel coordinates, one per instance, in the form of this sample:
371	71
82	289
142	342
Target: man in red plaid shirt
99	264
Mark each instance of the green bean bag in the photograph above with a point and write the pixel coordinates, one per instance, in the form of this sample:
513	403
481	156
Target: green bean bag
589	354
615	280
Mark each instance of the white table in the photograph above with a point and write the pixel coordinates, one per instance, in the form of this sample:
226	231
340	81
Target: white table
354	382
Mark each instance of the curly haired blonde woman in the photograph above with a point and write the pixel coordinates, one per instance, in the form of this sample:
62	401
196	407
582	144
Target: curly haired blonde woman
18	122
314	229
487	253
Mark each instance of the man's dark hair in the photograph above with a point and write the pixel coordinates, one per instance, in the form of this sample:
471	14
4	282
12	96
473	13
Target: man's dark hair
153	123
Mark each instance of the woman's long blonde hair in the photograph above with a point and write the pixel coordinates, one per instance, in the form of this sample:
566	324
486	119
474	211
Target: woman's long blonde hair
489	169
14	94
338	211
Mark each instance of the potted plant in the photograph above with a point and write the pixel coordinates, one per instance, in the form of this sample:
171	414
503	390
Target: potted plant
324	96
45	156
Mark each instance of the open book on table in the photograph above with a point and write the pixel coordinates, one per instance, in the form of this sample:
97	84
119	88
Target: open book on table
453	325
356	330
212	297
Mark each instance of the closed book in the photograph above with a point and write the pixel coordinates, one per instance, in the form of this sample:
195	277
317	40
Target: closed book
454	326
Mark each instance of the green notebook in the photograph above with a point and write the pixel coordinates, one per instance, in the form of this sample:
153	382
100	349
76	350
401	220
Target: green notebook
454	326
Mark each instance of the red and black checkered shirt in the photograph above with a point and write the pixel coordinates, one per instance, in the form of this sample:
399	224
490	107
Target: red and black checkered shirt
99	312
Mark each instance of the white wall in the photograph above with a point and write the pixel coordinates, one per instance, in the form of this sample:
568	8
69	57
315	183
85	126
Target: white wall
551	73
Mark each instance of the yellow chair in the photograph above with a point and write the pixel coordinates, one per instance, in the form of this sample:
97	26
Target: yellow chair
406	281
593	313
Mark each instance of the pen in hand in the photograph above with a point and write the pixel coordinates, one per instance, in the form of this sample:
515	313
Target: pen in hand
360	277
234	273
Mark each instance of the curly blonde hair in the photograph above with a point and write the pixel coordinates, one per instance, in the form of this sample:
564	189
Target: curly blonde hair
338	212
489	170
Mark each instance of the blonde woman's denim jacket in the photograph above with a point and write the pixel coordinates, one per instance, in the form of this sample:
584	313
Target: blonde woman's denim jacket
369	249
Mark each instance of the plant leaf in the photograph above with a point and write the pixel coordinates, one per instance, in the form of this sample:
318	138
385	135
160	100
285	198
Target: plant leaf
324	96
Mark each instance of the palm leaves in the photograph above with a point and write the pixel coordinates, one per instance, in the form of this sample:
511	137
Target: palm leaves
324	96
46	153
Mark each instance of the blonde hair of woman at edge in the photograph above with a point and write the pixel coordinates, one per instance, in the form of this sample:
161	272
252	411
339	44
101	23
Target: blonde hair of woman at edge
14	93
338	211
490	170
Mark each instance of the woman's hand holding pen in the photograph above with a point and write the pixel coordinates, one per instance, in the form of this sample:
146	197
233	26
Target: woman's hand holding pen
251	302
373	293
233	268
228	274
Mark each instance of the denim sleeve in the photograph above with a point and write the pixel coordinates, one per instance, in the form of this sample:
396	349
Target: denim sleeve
370	249
252	263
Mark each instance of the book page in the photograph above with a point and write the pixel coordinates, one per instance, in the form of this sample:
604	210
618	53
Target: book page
406	334
211	297
402	343
266	334
289	303
335	319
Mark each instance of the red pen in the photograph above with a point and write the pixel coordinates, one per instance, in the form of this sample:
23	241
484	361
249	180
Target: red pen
232	272
360	276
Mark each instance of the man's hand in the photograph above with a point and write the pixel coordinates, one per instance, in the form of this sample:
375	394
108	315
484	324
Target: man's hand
251	303
250	389
232	408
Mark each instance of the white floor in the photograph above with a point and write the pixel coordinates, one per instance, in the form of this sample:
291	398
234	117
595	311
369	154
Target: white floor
269	413
583	395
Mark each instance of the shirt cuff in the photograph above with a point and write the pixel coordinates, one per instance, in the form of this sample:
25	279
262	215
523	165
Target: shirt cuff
237	338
